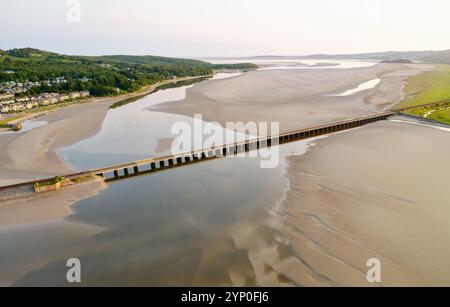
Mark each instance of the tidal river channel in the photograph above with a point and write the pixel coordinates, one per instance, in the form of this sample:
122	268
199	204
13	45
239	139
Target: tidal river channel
202	224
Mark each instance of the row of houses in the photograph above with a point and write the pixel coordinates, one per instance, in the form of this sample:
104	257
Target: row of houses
13	87
28	103
6	96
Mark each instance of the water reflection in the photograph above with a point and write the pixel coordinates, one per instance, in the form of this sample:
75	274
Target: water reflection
197	225
131	131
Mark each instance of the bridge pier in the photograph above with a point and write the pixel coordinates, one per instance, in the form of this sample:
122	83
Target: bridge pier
134	168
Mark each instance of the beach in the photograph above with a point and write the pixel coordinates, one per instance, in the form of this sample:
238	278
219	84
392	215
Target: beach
379	191
296	98
32	155
376	191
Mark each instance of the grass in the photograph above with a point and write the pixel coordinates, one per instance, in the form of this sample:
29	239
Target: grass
442	116
439	112
9	119
429	87
45	184
83	178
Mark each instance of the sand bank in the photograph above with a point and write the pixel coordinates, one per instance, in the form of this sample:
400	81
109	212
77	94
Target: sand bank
32	154
295	98
24	207
377	191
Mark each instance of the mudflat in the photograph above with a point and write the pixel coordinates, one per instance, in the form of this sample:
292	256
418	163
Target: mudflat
296	98
379	191
32	154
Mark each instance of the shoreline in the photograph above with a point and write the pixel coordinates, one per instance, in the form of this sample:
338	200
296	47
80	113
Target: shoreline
335	215
32	155
23	207
295	98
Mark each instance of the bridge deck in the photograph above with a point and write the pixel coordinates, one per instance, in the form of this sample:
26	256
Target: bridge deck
164	162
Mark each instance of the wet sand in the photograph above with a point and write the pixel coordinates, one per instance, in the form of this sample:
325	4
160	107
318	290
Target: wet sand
380	191
32	154
295	98
377	191
24	207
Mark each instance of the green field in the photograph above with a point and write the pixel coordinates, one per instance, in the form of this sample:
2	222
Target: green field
439	112
429	87
442	116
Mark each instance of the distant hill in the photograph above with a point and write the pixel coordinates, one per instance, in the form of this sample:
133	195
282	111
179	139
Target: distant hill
415	56
439	57
29	53
146	60
101	75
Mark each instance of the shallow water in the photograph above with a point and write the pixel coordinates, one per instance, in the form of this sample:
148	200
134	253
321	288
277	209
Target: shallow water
132	132
195	225
184	226
287	64
362	87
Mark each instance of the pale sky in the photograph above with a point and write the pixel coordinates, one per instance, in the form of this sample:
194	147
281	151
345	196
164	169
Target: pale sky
196	28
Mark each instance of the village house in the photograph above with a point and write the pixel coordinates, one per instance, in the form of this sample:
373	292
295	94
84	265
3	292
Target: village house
17	107
85	94
28	103
44	101
74	95
23	99
4	102
5	109
63	97
6	97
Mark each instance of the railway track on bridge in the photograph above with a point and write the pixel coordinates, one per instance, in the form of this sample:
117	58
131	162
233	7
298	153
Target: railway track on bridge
155	164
